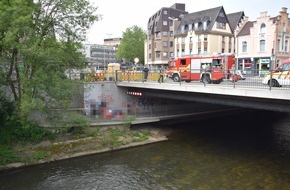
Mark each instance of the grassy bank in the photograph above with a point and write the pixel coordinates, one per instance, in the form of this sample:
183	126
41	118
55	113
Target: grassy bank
77	142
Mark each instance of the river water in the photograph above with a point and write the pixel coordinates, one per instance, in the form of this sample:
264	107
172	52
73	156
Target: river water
248	151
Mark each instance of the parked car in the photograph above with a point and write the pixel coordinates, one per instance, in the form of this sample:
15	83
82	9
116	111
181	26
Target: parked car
280	76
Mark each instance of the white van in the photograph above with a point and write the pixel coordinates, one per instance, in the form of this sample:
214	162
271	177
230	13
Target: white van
280	76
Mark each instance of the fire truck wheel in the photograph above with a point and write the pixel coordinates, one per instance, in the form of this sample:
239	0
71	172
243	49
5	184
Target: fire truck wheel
175	78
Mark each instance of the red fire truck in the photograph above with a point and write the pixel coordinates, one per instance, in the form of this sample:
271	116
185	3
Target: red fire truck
210	68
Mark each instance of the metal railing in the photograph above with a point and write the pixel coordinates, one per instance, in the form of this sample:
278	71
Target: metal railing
234	79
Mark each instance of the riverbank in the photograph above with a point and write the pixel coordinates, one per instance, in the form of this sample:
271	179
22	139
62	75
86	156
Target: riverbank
93	140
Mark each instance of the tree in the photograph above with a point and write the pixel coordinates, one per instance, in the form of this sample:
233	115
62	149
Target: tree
39	41
132	44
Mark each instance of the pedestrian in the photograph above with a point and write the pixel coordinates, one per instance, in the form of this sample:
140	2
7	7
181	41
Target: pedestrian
161	74
145	70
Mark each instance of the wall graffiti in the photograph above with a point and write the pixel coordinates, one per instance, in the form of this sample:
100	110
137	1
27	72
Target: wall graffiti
106	98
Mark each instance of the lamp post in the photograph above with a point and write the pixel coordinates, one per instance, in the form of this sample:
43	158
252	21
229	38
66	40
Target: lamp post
272	59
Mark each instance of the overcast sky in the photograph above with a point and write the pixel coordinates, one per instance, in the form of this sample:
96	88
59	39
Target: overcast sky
120	15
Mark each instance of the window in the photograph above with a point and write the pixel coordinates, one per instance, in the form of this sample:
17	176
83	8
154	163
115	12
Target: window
284	27
190	39
164	43
171	44
262	45
165	12
182	52
279	45
183	62
262	28
286	67
164	54
286	46
205	50
199	25
183	40
205	37
171	54
164	33
199	38
158	35
165	23
221	25
171	33
244	47
158	54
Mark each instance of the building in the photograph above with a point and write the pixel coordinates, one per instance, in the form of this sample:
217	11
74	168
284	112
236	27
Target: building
207	31
99	55
113	42
173	32
263	44
159	44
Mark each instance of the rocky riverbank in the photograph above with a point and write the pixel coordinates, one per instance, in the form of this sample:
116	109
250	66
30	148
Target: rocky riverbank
91	141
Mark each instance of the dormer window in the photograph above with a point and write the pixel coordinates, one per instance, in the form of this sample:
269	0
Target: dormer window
199	25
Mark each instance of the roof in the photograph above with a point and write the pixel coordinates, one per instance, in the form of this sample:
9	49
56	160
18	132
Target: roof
209	16
246	29
235	19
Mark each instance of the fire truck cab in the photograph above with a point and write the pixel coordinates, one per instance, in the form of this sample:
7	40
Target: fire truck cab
210	68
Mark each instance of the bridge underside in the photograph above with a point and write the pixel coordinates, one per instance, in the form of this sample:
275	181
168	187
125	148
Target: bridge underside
227	100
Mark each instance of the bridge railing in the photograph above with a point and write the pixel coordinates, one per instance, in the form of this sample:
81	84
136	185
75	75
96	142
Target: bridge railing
234	79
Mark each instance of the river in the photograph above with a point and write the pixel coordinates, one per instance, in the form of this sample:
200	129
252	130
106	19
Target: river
249	151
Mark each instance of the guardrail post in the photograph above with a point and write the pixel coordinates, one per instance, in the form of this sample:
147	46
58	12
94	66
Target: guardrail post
270	84
235	78
179	77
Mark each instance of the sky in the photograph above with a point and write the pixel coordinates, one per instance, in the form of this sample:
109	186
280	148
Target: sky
118	15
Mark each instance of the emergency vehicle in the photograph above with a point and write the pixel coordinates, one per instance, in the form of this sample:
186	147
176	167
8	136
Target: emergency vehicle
279	76
209	68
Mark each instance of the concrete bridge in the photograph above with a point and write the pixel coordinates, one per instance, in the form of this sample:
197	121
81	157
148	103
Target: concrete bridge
138	101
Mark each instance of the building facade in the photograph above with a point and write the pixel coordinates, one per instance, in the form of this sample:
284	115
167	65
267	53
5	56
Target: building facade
263	44
259	45
100	55
159	45
208	31
173	32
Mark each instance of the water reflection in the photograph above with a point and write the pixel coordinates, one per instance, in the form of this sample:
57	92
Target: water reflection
249	151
